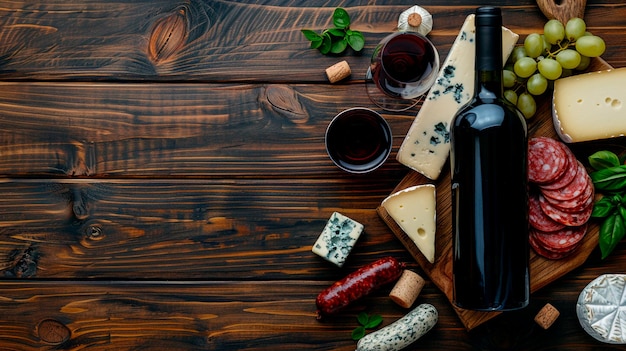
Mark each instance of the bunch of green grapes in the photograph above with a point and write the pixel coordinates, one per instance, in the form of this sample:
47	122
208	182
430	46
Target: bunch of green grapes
561	50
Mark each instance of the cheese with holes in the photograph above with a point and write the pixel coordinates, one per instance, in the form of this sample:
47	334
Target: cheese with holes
427	143
337	239
590	106
414	210
601	308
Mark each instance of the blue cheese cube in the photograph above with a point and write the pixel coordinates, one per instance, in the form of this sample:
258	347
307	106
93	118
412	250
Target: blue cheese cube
337	239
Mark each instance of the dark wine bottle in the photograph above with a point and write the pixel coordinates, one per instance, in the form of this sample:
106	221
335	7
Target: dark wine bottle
489	142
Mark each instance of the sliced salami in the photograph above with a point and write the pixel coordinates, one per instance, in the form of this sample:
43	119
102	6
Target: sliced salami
538	219
547	160
563	240
572	190
541	251
572	219
578	203
568	175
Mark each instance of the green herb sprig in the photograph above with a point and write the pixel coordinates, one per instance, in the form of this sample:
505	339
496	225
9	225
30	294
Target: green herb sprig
366	322
609	177
337	39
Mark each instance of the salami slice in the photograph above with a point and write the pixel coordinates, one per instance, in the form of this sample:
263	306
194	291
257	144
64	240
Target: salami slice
563	240
572	190
568	175
578	203
541	251
572	219
547	160
538	219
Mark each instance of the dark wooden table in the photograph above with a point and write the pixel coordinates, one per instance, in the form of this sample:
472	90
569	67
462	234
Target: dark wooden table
163	177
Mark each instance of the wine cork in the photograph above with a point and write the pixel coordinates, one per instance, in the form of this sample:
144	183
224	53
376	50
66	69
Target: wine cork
338	71
415	20
407	288
547	316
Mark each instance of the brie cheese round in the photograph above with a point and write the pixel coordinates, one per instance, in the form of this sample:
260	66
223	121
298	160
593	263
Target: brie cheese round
601	308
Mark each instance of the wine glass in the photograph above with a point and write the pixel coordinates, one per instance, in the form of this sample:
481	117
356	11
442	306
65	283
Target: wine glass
403	67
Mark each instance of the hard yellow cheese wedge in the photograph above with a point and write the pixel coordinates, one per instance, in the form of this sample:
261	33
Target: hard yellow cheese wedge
590	106
414	210
427	143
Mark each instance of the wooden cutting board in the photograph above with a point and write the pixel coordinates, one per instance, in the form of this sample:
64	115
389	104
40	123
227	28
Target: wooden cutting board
543	271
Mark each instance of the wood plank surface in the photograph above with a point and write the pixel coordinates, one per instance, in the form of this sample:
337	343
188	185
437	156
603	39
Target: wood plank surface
163	177
173	130
222	40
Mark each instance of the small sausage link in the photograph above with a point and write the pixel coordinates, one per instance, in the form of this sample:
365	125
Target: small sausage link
358	284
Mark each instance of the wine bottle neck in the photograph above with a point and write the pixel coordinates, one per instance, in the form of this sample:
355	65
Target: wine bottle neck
488	65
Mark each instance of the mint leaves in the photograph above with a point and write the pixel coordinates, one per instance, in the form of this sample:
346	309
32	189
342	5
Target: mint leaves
610	178
366	322
337	39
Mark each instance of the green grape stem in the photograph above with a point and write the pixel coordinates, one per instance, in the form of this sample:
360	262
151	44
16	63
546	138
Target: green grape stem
570	44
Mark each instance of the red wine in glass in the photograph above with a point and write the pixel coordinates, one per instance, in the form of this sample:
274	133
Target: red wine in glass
358	140
405	65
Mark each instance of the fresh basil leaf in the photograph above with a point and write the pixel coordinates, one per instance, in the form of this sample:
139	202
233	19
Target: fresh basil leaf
622	212
311	35
603	207
341	19
356	41
374	321
610	179
327	43
363	318
611	232
339	46
316	43
336	32
358	333
603	159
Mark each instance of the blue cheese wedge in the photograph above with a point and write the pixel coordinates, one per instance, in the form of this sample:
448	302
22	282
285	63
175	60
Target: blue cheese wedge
427	143
590	106
601	308
414	210
337	239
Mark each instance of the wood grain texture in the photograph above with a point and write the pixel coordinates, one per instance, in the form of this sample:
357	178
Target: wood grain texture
224	40
173	130
218	315
127	229
163	177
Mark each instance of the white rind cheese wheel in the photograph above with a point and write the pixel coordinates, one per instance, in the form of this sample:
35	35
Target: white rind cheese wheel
601	308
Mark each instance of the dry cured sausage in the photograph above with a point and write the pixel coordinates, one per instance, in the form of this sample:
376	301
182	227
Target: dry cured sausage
357	284
538	219
546	160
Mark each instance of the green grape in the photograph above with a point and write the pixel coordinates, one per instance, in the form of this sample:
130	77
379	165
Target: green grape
537	84
567	72
590	46
527	105
554	31
518	53
584	63
546	45
525	67
568	58
511	96
575	28
508	78
550	68
533	45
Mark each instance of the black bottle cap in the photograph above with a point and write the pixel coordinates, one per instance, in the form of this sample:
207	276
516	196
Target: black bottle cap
488	22
488	16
